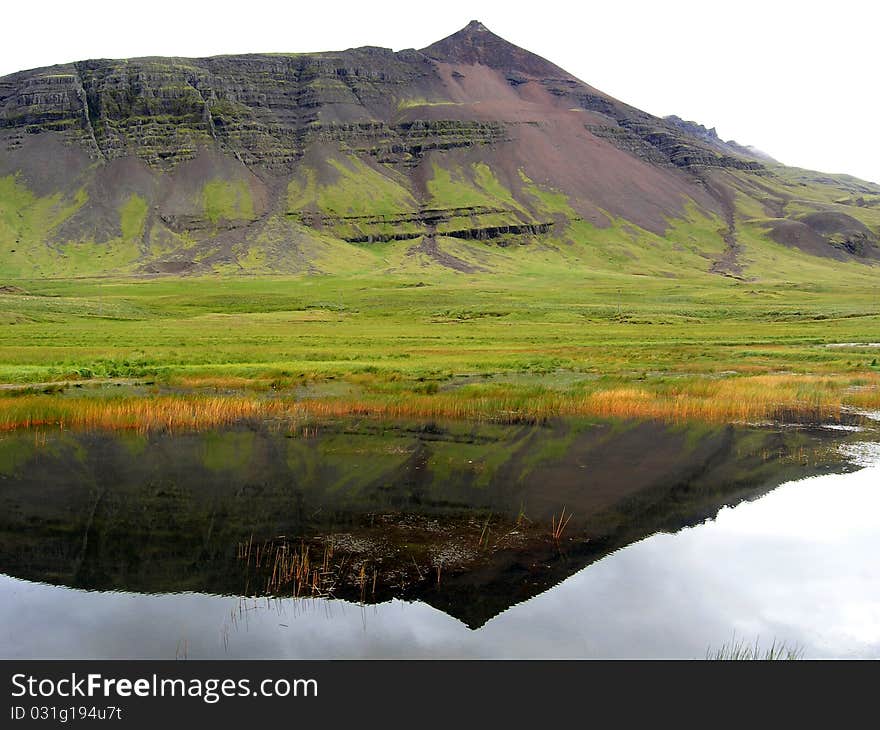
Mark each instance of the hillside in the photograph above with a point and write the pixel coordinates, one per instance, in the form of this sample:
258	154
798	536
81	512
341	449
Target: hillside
471	155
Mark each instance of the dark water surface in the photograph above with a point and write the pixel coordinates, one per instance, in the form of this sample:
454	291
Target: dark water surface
371	539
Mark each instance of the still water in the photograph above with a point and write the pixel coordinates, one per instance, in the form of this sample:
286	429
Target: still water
436	540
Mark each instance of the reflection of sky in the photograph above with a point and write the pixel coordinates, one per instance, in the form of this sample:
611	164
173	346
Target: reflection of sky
798	565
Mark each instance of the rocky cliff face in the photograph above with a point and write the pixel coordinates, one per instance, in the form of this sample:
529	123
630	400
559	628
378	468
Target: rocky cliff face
263	109
172	164
711	138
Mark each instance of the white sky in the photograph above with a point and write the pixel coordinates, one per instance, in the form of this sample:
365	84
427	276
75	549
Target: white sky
797	79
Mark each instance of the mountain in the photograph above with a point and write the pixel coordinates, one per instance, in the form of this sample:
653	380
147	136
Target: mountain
454	156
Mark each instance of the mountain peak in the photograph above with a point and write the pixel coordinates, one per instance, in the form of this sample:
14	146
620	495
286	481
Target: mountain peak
476	44
476	25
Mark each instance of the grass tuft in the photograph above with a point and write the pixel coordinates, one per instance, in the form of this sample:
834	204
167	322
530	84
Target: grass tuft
739	650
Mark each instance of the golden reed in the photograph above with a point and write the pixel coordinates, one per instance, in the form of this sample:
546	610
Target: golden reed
755	398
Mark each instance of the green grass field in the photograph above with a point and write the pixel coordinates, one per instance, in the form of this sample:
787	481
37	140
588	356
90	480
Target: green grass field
545	340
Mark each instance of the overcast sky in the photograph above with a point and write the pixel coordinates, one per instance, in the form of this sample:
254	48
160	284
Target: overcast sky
797	79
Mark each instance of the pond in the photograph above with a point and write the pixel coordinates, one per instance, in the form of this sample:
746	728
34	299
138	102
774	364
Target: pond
363	538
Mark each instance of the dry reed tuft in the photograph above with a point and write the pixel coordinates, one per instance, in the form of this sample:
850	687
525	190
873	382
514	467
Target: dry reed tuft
281	568
558	526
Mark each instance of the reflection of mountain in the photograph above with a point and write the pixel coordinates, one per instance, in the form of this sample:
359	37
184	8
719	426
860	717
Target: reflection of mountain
166	513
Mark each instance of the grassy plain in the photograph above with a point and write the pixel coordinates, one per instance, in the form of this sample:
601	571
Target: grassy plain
555	339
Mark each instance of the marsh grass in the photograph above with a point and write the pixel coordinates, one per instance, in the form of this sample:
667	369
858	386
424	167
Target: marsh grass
558	525
740	650
485	533
278	567
142	414
782	397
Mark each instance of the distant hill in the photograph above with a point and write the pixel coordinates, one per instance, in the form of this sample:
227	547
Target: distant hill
280	163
